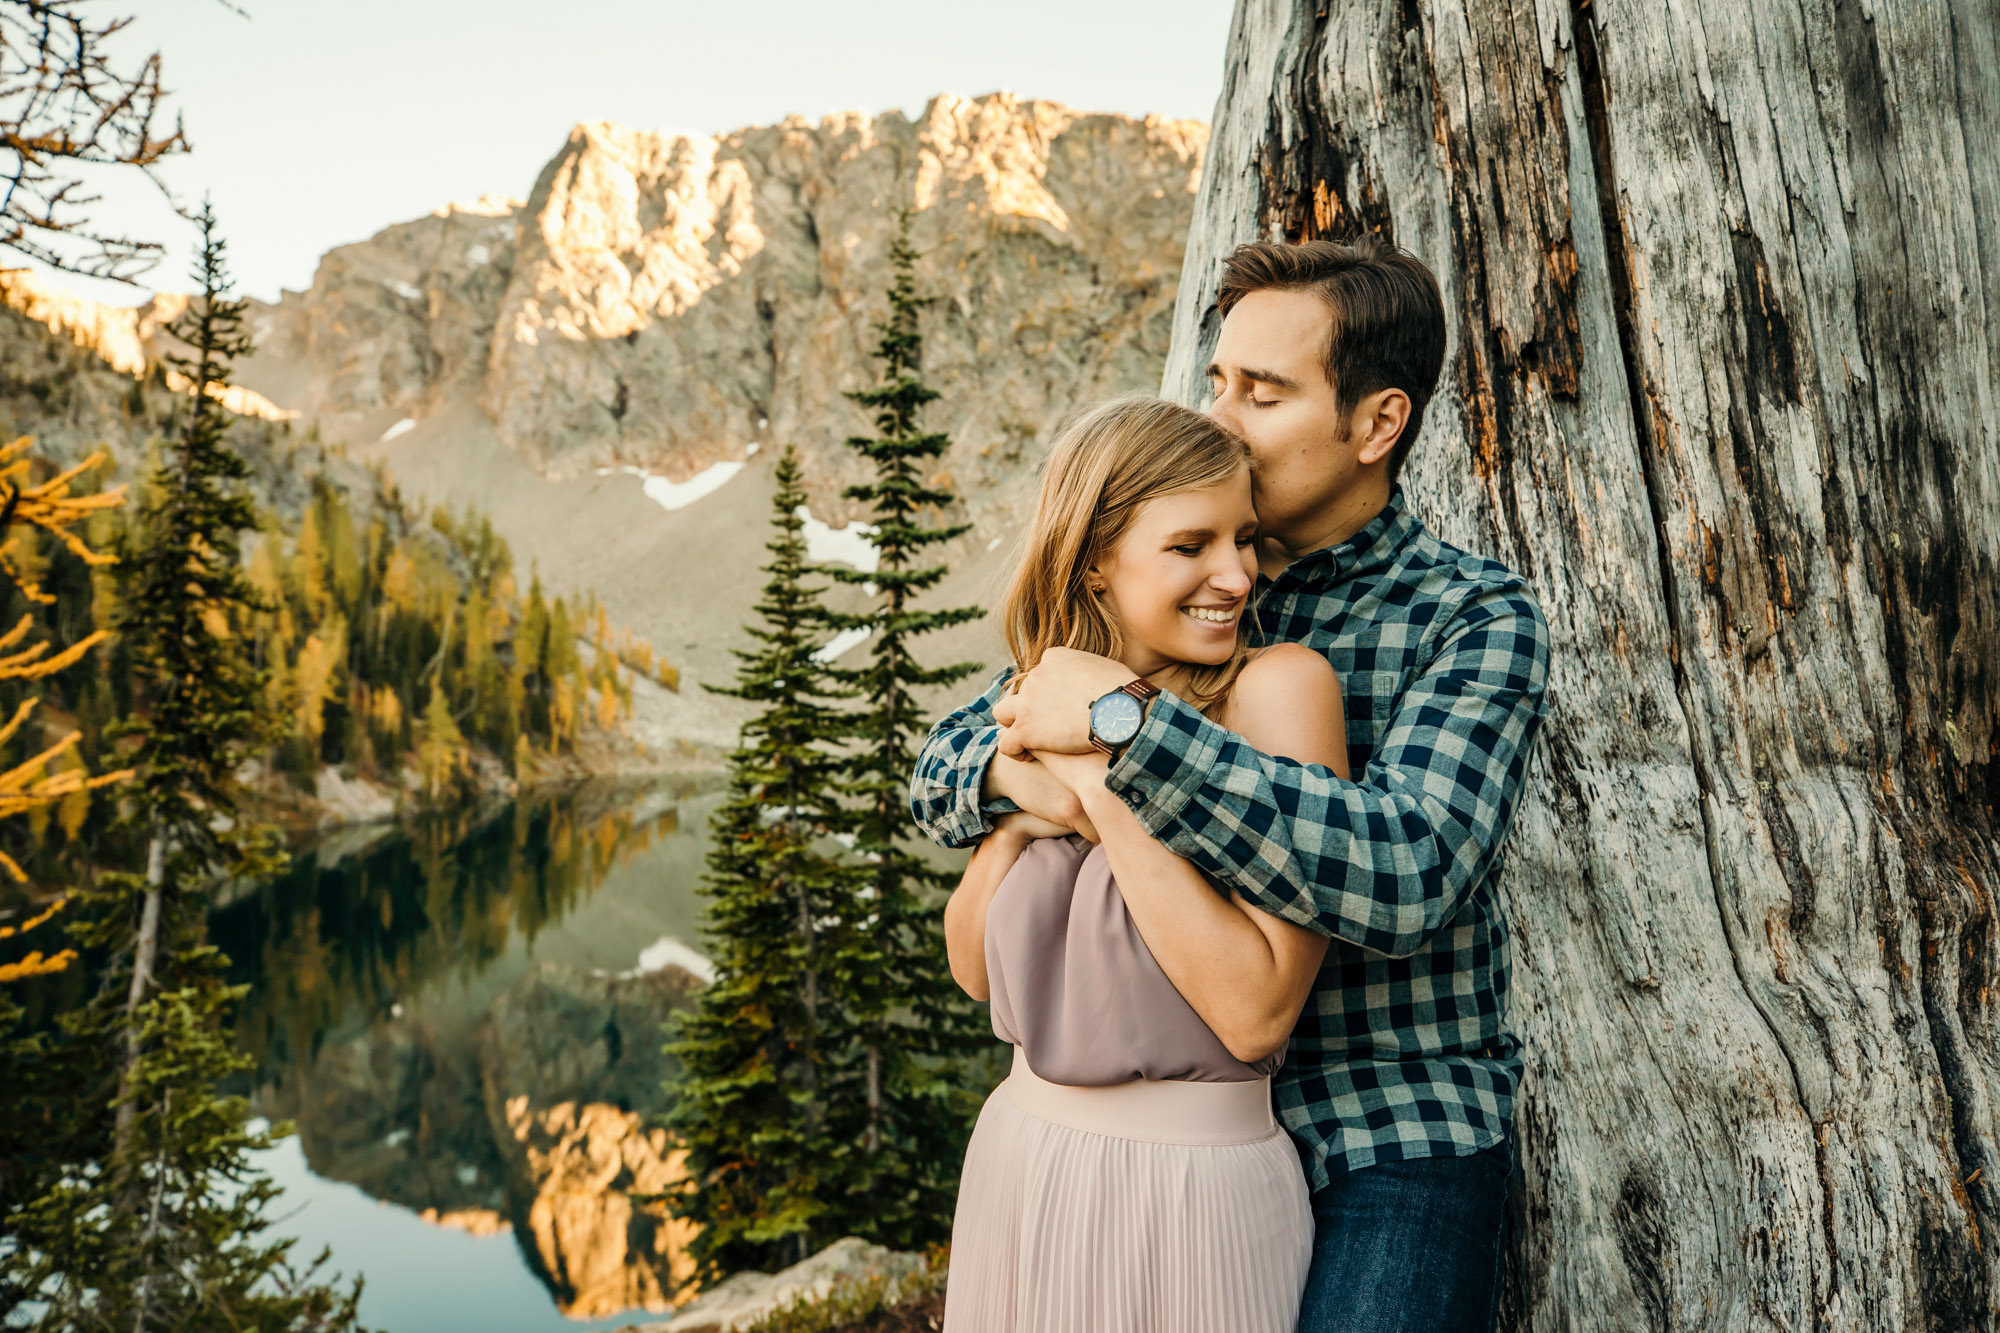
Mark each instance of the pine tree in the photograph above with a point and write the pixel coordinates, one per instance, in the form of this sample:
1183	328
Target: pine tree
158	1221
751	1106
913	1111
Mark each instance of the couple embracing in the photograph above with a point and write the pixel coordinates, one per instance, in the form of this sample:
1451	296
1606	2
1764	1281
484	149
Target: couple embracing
1238	807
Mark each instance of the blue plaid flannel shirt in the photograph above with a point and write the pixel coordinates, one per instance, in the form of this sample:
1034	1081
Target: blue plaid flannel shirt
1403	1049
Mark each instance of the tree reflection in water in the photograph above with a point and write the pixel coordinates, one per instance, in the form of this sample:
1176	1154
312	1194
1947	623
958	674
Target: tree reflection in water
455	1014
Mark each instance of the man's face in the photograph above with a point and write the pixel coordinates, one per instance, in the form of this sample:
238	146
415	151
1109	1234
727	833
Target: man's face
1270	385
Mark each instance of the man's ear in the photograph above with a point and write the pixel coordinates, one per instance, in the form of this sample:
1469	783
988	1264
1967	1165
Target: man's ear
1378	423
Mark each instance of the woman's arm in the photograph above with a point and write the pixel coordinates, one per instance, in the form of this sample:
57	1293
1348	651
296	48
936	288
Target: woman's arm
1246	972
965	913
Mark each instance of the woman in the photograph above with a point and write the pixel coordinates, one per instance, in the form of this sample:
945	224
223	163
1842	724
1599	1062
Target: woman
1129	1174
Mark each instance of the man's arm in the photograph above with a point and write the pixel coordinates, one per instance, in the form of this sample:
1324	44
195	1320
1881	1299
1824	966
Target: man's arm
1384	861
944	787
957	791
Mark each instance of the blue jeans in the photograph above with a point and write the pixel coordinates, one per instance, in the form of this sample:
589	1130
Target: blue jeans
1406	1246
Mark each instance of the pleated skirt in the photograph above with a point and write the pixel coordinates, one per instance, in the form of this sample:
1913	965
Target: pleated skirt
1142	1208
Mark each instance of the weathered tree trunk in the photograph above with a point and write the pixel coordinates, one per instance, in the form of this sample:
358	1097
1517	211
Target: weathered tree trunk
1723	282
145	959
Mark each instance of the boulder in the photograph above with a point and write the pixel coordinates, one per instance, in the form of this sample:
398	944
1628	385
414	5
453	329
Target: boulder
742	1299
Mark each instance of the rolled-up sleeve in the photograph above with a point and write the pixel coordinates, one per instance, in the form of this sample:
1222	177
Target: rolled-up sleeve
944	787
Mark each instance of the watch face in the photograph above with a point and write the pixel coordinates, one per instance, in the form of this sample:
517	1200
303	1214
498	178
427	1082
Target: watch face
1115	718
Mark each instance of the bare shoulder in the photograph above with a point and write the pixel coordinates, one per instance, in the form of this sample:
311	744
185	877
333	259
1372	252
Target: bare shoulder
1290	669
1287	702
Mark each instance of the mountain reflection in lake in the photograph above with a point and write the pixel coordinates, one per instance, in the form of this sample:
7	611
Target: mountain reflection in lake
463	1017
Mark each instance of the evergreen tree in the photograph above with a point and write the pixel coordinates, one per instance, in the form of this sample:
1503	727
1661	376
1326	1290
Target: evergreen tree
752	1107
908	1119
159	1221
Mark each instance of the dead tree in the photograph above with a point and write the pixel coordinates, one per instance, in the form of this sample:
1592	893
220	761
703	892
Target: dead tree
1724	283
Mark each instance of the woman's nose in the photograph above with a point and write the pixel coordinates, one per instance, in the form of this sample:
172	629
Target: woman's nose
1231	578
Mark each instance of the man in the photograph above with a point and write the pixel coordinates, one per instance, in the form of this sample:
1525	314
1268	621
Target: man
1399	1085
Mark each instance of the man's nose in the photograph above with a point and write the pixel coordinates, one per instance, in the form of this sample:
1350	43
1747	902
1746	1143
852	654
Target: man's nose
1223	412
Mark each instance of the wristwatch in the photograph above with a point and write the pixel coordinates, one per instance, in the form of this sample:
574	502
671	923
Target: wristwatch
1115	717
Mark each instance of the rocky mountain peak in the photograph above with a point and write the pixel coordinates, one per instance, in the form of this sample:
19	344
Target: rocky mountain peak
665	301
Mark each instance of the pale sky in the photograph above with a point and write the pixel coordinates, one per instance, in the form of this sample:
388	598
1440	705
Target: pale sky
318	122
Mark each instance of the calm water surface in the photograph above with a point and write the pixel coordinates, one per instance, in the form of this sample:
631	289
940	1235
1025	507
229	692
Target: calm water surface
462	1015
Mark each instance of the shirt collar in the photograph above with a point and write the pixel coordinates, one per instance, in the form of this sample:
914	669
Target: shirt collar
1369	549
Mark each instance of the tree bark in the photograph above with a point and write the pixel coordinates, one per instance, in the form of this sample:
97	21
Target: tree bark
145	959
1723	282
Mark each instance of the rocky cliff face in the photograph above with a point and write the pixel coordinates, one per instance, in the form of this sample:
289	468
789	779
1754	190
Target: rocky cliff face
669	301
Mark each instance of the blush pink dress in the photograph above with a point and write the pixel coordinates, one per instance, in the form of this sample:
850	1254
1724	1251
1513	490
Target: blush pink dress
1128	1176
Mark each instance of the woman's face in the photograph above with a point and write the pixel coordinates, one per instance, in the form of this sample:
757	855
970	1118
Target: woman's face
1178	580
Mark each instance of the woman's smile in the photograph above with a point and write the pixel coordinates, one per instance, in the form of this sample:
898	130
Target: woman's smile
1221	617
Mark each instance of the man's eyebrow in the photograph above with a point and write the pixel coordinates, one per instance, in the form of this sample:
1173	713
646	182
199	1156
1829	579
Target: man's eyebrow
1270	377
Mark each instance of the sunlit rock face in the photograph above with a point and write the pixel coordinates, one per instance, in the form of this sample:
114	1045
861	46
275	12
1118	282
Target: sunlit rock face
564	1058
667	301
582	1160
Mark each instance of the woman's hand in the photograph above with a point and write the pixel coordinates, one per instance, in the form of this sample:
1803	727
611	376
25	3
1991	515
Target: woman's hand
1028	827
1081	775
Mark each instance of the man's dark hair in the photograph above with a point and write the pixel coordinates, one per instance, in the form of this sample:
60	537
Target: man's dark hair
1387	325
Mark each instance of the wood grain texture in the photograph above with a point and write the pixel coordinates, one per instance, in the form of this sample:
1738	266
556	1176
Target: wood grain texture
1723	281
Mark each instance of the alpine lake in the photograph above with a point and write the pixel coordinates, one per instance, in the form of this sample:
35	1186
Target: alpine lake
462	1014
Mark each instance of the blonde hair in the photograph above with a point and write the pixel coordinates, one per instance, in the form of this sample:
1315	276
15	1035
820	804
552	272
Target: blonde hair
1106	462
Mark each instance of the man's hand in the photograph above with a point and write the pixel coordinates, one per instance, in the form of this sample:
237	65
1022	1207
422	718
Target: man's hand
1050	708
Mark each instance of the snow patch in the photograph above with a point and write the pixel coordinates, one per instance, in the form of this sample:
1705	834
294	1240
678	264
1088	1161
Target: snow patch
993	545
849	545
478	254
403	427
750	449
667	949
396	1138
842	642
680	494
402	289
